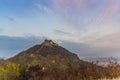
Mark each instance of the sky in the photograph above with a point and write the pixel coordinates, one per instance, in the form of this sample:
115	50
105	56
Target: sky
89	28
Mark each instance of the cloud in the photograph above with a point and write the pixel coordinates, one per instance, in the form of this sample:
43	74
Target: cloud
43	8
66	6
76	14
80	14
112	8
86	50
10	18
96	46
111	41
1	30
62	32
10	46
107	45
104	46
81	49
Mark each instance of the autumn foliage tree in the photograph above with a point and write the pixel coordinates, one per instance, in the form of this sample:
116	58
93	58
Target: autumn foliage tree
9	72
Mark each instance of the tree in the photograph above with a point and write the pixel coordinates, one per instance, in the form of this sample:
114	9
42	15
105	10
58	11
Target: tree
9	72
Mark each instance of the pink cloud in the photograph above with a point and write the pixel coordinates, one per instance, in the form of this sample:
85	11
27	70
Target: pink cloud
64	6
69	6
93	1
61	5
83	3
112	8
78	3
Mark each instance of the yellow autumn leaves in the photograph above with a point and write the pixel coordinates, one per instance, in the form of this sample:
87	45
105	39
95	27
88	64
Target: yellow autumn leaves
10	71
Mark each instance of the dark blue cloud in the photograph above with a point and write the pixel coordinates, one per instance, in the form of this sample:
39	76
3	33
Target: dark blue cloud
9	46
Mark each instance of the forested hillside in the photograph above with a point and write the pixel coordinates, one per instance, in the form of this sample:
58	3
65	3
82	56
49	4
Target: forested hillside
49	61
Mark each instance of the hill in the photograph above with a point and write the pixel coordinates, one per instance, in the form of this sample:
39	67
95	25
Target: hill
49	61
47	52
